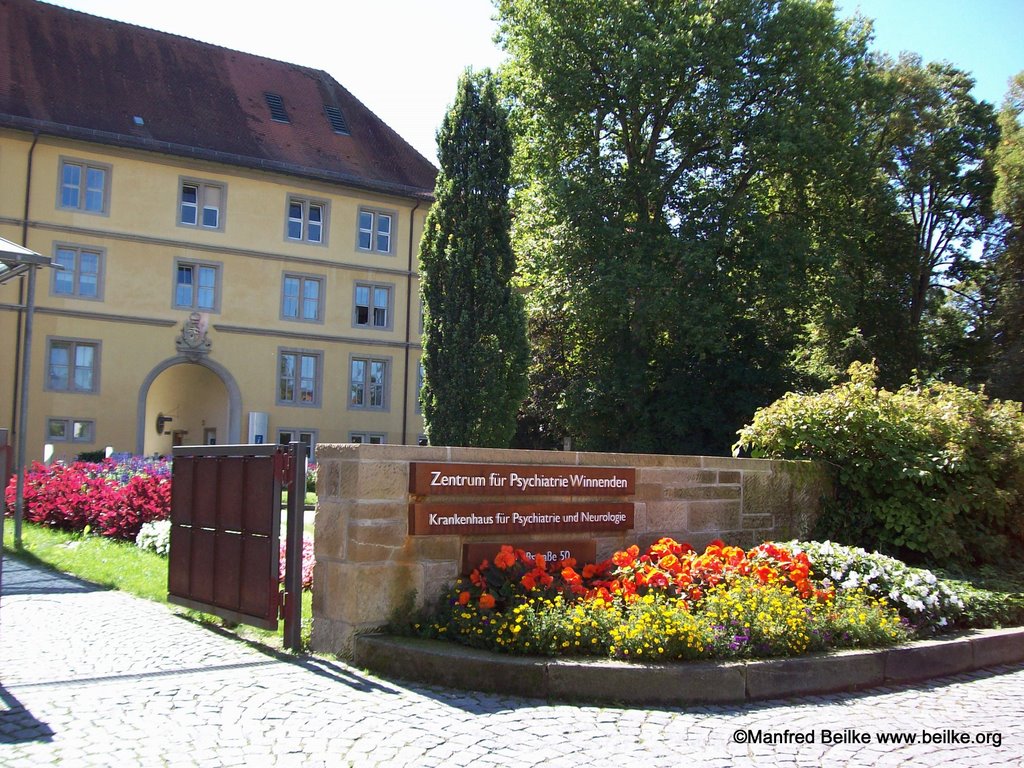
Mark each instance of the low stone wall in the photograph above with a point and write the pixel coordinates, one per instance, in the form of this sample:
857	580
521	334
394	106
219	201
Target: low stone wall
369	568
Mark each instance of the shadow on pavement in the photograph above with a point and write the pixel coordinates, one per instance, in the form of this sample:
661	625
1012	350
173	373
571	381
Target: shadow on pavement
24	578
17	724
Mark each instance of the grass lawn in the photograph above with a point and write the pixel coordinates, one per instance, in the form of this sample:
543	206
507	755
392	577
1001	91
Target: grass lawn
123	566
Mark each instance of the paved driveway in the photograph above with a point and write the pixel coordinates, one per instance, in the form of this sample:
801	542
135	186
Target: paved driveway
90	677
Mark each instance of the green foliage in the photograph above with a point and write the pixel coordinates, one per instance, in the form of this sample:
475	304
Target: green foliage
926	602
474	338
683	180
931	472
1008	246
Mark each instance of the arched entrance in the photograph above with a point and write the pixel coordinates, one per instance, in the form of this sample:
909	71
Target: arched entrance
185	401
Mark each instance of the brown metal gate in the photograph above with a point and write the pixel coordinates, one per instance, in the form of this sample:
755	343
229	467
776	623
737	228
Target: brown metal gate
226	530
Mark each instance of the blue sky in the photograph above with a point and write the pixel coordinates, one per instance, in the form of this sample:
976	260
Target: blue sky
402	58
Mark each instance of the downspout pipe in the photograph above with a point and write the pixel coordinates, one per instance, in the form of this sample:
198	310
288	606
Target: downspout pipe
21	291
408	329
20	404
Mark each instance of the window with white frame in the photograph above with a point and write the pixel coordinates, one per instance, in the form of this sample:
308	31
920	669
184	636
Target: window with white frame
307	437
196	286
70	430
81	274
84	186
72	365
306	220
372	438
302	298
298	377
375	230
372	306
201	204
368	383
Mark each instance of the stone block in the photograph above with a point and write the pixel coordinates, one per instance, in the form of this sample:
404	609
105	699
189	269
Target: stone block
590	459
994	647
665	515
451	665
730	478
928	659
757	522
364	594
374	541
330	532
419	548
676	477
431	579
704	492
608	681
740	465
330	636
649	491
395	511
804	676
374	480
714	516
766	493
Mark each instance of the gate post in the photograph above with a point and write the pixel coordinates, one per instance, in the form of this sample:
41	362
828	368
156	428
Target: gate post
296	484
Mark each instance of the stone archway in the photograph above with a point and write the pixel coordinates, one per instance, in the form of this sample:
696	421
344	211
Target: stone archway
201	399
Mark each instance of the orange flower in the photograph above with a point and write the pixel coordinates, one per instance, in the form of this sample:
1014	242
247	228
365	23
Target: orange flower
528	581
464	598
506	558
627	558
486	601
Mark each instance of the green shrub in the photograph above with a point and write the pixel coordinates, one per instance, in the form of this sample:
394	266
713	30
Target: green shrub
930	473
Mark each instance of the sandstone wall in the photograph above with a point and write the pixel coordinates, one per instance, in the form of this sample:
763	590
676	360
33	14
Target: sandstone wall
368	567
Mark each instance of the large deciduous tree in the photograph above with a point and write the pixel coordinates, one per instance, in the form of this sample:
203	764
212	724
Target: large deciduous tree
1008	369
683	164
935	150
474	337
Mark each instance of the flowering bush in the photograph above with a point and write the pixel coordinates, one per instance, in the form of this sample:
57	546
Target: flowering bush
155	536
112	499
667	603
308	561
920	597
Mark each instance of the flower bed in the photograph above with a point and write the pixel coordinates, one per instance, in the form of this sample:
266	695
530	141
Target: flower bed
672	602
109	498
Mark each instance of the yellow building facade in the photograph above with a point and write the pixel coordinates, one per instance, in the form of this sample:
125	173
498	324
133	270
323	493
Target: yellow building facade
208	295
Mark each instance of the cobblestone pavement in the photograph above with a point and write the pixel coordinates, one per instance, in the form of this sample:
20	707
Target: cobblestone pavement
90	677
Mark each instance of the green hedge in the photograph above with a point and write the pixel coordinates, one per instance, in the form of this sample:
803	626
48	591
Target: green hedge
930	473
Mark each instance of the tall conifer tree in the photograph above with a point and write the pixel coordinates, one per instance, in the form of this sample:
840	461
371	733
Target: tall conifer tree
474	334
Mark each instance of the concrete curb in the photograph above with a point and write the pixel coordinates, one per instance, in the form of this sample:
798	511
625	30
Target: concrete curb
606	681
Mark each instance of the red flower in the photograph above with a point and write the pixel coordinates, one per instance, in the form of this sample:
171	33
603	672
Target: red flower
464	598
506	558
487	601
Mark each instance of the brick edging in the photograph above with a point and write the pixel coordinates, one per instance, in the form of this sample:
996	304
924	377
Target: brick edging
685	683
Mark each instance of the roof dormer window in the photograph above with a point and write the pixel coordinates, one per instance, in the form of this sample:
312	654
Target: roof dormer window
276	105
337	120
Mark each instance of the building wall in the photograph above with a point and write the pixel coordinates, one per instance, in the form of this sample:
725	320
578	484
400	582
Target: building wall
134	324
369	568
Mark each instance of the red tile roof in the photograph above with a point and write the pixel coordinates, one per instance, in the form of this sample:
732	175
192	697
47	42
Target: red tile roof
70	74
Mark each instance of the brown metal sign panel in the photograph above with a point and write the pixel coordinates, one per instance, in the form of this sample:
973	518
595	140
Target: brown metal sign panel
262	498
431	479
181	490
503	517
225	533
230	490
260	566
554	551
